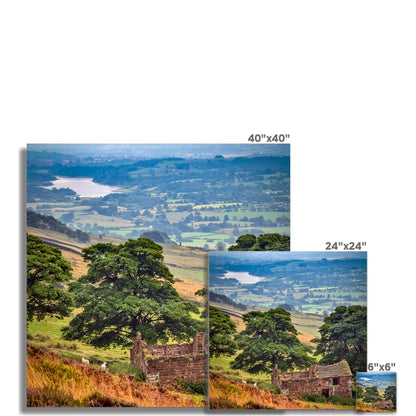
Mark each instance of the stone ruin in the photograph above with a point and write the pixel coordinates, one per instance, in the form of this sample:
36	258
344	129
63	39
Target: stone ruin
164	364
383	405
322	380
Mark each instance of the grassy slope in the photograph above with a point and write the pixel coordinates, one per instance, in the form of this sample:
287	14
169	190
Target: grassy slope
307	324
188	265
183	262
53	381
227	394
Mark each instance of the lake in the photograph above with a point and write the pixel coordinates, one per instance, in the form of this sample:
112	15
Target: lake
242	277
84	187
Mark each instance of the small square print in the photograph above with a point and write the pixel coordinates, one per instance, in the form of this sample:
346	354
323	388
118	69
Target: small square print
376	392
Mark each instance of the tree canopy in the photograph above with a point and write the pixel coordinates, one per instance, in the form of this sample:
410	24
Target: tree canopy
391	394
127	290
371	394
221	329
264	242
157	237
344	336
46	272
268	340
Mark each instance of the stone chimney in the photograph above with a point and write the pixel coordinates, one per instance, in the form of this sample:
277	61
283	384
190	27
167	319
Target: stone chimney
276	377
199	344
312	371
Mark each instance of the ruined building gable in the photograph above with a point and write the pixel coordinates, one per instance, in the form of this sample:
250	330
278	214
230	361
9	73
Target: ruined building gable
323	380
166	363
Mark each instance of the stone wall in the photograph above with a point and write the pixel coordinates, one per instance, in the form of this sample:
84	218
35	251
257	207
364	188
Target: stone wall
385	404
319	386
309	382
166	363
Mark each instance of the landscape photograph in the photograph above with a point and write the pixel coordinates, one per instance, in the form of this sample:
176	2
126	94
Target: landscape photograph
376	392
198	195
287	330
117	246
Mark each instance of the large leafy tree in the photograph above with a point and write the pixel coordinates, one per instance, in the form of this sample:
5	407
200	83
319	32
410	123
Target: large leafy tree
371	394
360	392
243	243
204	294
127	290
221	329
47	272
344	336
273	242
270	339
390	394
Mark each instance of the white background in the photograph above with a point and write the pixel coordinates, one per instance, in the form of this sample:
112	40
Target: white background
339	77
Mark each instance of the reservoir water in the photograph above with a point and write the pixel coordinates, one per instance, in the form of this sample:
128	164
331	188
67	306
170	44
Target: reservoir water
243	277
84	187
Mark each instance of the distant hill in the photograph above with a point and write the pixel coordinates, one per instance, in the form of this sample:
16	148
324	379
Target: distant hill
215	297
312	285
48	222
381	380
157	237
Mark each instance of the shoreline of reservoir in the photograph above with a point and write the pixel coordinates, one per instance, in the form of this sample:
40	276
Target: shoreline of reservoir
83	187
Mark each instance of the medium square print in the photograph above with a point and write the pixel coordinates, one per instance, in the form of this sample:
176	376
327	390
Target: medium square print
287	330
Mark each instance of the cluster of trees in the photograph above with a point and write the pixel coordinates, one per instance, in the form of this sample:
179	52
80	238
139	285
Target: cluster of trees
221	329
126	290
270	338
48	222
46	272
157	237
201	182
37	193
345	277
371	394
343	335
264	242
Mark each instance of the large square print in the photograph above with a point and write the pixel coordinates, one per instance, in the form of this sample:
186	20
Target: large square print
117	263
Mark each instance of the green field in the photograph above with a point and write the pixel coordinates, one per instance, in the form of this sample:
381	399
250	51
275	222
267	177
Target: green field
189	266
115	226
238	215
47	333
222	366
220	197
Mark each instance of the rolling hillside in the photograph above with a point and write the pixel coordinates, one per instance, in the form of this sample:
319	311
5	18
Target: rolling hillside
188	265
54	381
307	324
245	396
55	376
